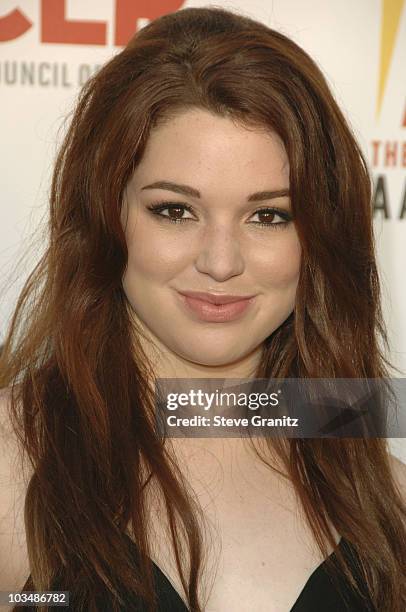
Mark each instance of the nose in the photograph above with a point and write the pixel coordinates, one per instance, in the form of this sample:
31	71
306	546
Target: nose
220	253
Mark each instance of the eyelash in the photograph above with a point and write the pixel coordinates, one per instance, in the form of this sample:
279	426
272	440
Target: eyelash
157	208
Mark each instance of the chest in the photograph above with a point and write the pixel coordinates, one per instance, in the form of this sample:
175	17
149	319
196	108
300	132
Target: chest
260	551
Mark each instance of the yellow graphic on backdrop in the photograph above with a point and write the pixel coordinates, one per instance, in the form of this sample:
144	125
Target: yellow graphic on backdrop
391	13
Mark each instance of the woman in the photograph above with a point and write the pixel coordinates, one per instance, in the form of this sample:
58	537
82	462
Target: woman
158	190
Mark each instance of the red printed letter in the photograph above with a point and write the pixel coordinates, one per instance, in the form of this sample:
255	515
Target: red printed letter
128	12
391	153
375	150
57	29
13	25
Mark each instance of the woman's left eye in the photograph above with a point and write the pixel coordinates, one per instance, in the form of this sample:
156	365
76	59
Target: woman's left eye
179	209
270	214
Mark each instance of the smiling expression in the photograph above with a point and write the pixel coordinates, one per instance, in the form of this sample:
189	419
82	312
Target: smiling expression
207	209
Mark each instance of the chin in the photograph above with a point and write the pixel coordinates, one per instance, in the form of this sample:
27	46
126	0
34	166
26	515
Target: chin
211	357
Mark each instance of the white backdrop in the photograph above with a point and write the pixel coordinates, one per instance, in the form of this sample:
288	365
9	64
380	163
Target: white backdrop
49	47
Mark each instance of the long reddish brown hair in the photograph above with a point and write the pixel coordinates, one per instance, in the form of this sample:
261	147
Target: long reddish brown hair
82	405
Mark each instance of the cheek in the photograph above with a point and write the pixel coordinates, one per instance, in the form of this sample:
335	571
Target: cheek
152	253
280	265
290	270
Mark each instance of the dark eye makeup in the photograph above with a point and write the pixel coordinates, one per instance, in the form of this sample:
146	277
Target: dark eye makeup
158	207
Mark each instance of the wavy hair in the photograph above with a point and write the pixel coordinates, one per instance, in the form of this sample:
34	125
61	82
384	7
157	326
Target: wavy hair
81	401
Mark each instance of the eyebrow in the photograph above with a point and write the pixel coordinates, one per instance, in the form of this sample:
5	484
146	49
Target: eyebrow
194	193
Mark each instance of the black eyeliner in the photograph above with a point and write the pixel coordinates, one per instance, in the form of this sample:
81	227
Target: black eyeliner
159	206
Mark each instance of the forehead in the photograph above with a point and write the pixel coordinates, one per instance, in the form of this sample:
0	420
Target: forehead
208	151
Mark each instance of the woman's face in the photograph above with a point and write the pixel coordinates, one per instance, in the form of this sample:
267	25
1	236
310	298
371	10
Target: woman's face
220	246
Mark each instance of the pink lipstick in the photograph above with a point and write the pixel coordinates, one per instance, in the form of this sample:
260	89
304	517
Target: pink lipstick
216	308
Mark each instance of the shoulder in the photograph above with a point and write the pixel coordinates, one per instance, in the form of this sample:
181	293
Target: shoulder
398	469
5	424
8	441
9	448
14	568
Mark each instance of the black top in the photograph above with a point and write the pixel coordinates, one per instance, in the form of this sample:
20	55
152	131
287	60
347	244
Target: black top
319	594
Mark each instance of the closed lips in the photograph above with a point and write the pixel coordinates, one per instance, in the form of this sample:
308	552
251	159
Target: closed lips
215	298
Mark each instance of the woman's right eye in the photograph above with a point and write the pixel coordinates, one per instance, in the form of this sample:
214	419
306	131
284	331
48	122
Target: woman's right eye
173	207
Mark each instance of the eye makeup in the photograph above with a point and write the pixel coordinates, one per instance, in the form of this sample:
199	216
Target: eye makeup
158	207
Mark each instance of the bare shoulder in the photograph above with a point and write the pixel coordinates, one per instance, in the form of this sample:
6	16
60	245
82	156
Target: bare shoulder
14	568
6	430
399	473
8	441
9	448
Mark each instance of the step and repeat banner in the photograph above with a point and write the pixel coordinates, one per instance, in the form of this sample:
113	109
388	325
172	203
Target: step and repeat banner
48	48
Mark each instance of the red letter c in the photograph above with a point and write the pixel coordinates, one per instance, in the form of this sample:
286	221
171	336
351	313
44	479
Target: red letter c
13	25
